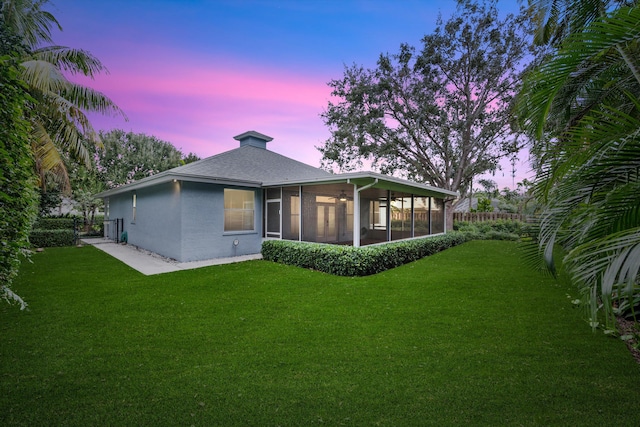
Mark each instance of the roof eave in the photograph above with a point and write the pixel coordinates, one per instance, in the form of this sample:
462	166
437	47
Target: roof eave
365	178
162	178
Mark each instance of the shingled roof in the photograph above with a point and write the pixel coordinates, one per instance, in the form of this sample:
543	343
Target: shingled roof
252	165
249	165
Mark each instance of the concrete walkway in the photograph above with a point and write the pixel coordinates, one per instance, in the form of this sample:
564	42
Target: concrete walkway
149	263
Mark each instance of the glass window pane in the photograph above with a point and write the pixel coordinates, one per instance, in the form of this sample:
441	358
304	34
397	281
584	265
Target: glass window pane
437	216
421	216
239	214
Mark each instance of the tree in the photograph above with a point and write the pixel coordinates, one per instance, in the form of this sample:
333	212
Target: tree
583	106
85	184
57	113
123	158
490	187
128	156
190	158
440	116
17	181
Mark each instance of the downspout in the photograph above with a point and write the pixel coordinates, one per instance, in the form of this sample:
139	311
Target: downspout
356	210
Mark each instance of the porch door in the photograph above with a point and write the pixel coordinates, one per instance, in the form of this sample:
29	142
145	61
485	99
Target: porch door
326	223
273	218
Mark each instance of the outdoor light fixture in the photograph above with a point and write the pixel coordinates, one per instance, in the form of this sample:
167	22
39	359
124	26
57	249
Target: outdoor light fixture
343	196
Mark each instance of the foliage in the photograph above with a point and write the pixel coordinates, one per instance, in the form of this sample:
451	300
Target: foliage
123	158
129	156
440	116
583	104
49	200
352	261
490	230
40	238
54	231
484	205
85	183
18	199
55	223
189	158
468	336
97	229
60	126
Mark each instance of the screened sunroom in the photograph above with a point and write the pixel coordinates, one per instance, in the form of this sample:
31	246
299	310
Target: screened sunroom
354	209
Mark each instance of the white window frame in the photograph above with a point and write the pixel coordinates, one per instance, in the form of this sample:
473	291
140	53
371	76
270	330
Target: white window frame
247	206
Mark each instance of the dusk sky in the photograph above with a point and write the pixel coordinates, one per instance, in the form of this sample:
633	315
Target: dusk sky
197	72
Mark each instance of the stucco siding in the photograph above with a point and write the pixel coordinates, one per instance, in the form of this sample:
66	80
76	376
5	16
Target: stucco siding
203	235
120	207
157	226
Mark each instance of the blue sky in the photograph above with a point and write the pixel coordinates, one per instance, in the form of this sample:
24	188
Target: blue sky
196	73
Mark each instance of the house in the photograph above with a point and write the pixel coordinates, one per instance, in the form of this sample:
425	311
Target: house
225	205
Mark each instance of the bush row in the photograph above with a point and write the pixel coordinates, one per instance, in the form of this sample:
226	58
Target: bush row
495	229
362	261
51	238
50	223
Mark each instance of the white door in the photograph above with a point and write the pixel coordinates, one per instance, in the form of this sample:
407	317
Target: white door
326	223
273	218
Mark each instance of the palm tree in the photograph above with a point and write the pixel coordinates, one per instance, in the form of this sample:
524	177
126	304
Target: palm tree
60	125
583	105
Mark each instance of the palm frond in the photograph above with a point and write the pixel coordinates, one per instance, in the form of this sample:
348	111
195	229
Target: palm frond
584	56
43	76
88	99
71	60
26	19
47	157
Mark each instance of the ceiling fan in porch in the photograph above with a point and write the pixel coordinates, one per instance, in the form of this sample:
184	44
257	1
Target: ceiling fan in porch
342	197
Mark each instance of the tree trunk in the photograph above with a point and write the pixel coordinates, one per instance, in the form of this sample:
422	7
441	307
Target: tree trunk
448	209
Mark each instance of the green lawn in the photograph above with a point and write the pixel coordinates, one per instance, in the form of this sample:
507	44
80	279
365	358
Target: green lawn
469	336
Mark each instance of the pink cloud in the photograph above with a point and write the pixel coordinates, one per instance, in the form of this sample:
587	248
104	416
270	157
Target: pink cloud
199	106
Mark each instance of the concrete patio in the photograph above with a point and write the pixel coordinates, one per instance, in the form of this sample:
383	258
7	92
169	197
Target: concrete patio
149	263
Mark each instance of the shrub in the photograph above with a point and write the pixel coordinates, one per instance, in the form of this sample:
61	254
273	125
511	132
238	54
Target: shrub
54	231
51	238
501	229
18	197
55	223
362	261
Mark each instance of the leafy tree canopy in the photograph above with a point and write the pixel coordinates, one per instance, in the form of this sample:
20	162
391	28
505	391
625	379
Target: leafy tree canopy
440	115
124	157
128	156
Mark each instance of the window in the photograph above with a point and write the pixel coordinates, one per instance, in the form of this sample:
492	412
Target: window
239	210
135	201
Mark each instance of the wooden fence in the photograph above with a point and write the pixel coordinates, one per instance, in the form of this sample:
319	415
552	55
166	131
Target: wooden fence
487	216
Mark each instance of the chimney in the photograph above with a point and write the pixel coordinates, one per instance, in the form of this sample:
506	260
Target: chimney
253	139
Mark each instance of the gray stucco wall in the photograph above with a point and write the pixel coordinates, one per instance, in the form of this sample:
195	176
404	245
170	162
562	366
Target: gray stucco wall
185	221
203	224
157	226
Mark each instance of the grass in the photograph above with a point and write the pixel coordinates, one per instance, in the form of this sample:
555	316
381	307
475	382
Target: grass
467	336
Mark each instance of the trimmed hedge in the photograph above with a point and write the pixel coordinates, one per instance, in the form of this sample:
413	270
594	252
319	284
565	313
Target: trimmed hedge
51	238
362	261
501	229
61	223
54	231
